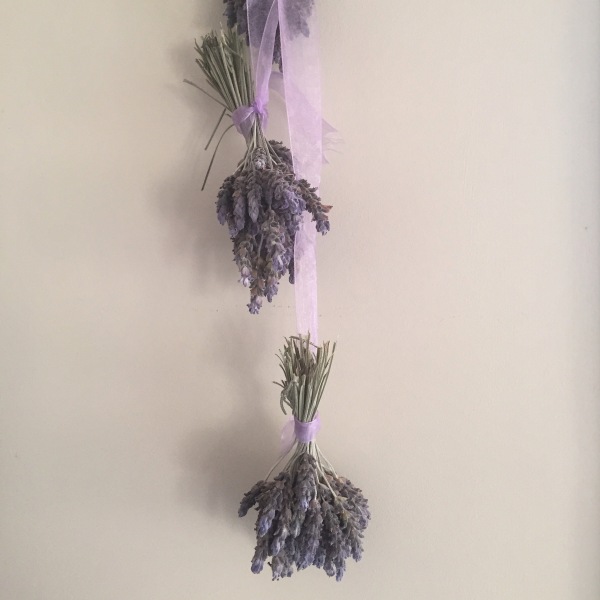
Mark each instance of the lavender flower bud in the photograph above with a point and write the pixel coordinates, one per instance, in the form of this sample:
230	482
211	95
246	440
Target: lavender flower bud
296	524
340	568
277	566
304	486
319	560
283	153
264	522
259	159
239	202
225	200
254	197
249	499
309	538
260	556
285	516
254	305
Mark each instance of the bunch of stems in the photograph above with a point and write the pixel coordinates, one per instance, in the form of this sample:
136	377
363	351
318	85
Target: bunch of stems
223	58
306	369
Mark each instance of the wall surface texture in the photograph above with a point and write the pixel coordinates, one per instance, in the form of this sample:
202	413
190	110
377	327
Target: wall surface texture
460	279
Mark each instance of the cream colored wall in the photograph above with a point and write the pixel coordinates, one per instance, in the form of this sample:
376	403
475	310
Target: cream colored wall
460	279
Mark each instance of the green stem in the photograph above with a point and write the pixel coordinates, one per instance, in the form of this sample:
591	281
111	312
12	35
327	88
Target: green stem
205	92
213	156
212	135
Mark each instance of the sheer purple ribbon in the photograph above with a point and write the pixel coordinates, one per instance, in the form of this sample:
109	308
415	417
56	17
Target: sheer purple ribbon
243	117
302	85
303	432
276	85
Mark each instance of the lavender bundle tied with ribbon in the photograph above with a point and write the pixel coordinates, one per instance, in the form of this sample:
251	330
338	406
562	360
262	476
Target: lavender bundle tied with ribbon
263	202
307	515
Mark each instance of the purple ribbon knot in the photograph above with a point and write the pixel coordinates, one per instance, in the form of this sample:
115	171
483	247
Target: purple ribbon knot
243	116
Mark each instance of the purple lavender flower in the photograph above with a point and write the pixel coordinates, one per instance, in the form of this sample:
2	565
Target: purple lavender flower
254	197
225	200
261	553
263	206
250	498
239	202
284	521
325	534
310	537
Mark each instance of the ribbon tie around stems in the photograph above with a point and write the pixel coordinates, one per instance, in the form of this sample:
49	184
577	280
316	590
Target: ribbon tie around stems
301	431
244	116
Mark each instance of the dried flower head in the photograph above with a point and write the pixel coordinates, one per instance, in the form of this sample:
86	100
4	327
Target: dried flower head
307	515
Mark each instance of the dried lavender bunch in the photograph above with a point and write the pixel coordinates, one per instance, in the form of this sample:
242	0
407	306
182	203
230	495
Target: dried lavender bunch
262	203
307	515
299	13
263	207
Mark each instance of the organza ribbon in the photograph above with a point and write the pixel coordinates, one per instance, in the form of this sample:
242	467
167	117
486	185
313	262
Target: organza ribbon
302	85
329	141
303	432
244	116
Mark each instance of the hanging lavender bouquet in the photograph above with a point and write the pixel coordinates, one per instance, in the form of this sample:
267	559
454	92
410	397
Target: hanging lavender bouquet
236	12
262	202
308	514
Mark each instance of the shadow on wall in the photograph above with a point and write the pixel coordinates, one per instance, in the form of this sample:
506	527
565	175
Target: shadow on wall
219	464
194	233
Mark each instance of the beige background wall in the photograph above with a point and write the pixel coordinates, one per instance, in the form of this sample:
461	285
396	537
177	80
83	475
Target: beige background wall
461	280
